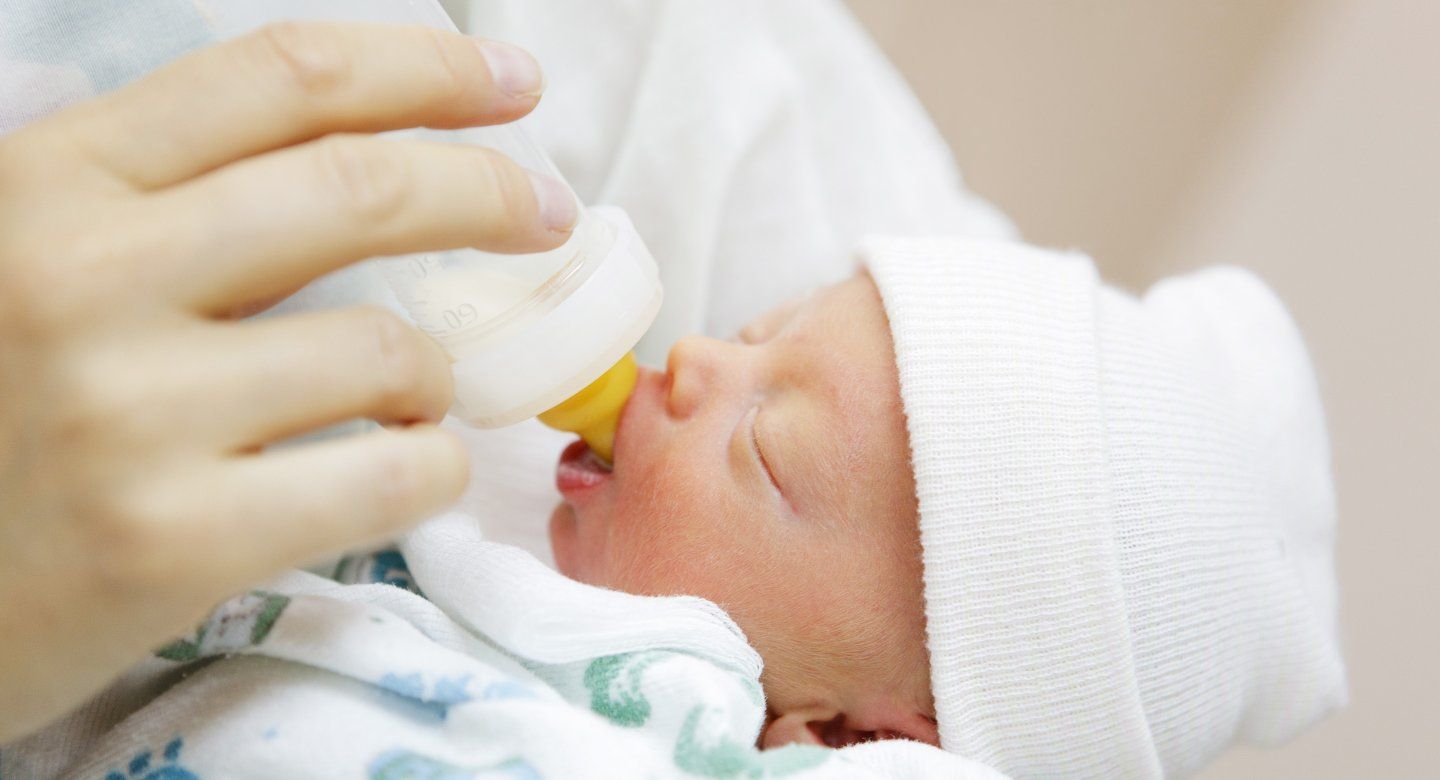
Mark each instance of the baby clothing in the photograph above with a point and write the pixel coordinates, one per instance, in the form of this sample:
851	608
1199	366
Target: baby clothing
1126	509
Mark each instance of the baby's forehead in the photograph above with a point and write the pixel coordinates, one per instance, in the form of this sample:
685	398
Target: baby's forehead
845	343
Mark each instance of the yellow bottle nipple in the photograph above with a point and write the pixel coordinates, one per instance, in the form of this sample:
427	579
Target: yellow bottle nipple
595	411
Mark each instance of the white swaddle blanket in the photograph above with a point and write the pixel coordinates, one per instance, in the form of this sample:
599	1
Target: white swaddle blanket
507	670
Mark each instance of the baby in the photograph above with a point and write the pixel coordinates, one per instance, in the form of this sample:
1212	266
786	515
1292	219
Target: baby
770	474
1122	555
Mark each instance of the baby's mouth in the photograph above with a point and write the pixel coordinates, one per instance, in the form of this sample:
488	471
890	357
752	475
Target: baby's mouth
579	471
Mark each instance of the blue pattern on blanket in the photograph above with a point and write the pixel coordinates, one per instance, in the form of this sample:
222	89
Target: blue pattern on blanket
402	764
140	767
507	690
390	568
445	691
385	567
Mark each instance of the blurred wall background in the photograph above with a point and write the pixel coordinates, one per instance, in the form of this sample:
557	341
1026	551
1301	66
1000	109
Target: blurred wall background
1300	138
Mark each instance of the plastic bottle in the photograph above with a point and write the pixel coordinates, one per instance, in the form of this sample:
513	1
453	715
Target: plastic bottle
526	332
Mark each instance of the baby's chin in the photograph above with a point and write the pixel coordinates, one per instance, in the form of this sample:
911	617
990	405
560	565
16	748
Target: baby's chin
565	541
576	553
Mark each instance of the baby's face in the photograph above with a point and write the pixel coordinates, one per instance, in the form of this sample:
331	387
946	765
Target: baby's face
770	474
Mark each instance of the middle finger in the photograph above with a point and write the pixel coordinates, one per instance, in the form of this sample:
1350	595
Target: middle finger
277	377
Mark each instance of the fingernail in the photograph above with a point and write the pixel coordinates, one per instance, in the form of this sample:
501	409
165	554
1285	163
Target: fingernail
557	205
513	70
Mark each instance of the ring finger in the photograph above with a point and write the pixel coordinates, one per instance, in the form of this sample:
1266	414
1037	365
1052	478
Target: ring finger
283	376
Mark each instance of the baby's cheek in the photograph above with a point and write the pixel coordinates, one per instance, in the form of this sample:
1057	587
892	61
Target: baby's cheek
671	538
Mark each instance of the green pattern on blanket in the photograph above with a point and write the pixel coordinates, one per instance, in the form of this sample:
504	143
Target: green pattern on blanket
243	621
614	684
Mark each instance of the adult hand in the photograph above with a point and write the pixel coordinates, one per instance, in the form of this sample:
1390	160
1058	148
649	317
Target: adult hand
134	405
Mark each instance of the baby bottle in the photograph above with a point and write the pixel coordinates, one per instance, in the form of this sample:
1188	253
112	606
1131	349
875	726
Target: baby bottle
527	333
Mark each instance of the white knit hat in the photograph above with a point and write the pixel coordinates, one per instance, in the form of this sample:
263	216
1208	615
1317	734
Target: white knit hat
1125	506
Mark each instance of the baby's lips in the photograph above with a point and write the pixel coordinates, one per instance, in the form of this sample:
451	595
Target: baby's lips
579	471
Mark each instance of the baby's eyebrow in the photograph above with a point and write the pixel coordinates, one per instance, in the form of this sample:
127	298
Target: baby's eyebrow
778	316
828	456
839	448
846	397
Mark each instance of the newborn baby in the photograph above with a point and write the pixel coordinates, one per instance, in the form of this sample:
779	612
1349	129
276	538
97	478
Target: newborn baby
770	474
1043	523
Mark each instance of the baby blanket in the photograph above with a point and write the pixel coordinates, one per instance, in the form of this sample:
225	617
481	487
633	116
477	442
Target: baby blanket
508	670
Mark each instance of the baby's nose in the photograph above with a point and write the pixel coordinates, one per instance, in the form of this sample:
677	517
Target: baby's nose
694	365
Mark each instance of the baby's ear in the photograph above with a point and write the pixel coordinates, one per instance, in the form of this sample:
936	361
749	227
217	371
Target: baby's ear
835	729
802	727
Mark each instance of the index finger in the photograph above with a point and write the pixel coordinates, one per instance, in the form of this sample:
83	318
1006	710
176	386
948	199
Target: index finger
296	81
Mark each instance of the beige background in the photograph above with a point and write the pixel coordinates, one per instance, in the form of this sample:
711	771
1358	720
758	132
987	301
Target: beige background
1300	138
